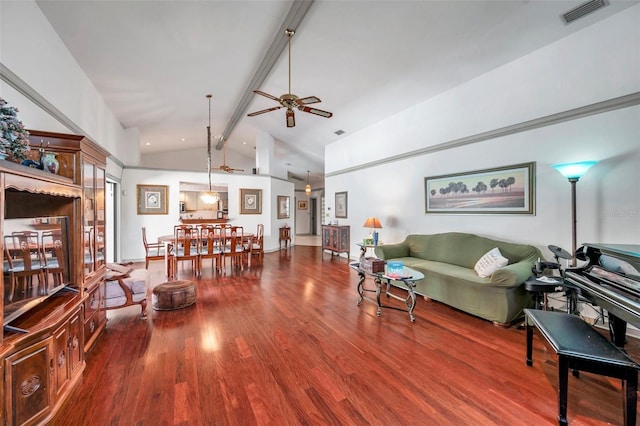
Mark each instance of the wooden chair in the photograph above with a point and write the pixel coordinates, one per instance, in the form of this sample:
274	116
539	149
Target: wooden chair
53	257
125	287
233	248
212	241
22	266
186	246
255	247
152	251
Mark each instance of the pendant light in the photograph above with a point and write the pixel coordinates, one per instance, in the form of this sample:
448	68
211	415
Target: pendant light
307	189
209	197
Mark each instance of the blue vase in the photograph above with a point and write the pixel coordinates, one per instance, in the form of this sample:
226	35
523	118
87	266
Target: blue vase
375	238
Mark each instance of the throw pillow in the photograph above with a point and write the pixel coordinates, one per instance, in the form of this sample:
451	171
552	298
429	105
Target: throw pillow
490	262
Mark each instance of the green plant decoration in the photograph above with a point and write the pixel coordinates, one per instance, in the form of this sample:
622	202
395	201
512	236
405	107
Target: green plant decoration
14	139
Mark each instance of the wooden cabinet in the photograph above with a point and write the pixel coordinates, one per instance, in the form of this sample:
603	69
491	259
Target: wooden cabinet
29	383
335	239
67	352
45	340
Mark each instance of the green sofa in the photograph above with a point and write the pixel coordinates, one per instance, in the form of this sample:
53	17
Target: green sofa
447	261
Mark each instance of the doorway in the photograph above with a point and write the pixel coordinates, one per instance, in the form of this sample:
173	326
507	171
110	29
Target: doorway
313	206
111	225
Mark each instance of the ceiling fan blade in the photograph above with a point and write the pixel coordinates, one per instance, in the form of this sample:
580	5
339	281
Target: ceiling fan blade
315	111
263	111
308	100
291	118
266	95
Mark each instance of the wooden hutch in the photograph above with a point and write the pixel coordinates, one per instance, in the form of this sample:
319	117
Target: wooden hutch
43	350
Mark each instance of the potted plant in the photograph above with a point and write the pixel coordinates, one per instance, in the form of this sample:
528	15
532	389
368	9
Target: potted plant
14	139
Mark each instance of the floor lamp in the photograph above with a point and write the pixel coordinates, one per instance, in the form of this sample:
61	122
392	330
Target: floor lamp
573	172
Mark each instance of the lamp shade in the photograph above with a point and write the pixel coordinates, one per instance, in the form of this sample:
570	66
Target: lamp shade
574	170
372	222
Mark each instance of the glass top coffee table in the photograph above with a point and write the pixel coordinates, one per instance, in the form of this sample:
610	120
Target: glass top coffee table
407	277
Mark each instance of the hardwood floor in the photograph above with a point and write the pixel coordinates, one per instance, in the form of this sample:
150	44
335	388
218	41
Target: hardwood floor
285	344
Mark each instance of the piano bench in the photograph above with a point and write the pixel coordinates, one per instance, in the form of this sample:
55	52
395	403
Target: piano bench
581	348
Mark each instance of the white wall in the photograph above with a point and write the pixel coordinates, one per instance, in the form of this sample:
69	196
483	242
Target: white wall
157	225
599	63
32	50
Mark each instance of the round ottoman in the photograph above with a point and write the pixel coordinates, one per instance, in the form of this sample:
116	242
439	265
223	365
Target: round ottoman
173	295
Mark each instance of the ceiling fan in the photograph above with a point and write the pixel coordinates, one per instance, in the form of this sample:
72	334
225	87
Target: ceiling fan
291	101
224	166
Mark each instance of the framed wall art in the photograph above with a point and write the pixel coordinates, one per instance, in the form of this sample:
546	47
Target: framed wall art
283	207
250	201
152	199
303	205
500	190
341	204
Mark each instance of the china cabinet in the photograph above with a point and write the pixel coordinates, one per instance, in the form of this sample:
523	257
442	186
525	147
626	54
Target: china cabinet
52	318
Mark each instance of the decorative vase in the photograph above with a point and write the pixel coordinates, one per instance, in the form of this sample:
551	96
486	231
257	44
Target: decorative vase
50	163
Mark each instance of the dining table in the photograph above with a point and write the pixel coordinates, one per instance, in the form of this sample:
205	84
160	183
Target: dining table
170	240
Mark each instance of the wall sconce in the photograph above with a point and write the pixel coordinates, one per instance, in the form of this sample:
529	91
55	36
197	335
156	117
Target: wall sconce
573	172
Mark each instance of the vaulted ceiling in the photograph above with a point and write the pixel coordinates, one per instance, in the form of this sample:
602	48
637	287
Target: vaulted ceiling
155	61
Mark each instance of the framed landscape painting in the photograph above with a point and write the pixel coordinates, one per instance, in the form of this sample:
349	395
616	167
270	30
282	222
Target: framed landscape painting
501	190
152	199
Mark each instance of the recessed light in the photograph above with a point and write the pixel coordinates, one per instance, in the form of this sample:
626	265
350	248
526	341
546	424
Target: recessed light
182	139
148	143
244	143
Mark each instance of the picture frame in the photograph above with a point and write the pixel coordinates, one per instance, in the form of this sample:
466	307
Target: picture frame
303	205
283	207
250	201
152	199
341	204
499	190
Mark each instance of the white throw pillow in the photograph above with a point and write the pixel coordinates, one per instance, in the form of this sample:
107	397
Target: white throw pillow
490	262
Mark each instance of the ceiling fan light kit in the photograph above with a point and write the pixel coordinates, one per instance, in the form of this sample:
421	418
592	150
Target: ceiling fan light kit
291	101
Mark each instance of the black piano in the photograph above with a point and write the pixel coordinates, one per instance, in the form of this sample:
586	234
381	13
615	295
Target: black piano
611	280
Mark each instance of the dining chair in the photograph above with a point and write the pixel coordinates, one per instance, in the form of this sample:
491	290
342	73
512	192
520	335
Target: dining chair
212	241
233	248
152	251
186	247
22	268
88	249
53	257
254	248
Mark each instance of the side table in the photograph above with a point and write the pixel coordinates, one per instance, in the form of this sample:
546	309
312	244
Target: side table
539	287
365	247
285	235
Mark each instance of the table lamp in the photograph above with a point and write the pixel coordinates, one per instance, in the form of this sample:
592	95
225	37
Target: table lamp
372	223
573	172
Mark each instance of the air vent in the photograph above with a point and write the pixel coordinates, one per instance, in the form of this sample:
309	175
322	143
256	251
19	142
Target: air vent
583	9
339	132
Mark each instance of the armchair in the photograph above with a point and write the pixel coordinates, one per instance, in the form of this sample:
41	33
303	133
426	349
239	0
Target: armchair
152	251
126	287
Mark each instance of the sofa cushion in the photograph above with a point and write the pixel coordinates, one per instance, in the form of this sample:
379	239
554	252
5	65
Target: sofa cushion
490	263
